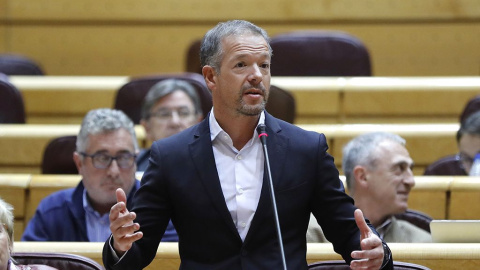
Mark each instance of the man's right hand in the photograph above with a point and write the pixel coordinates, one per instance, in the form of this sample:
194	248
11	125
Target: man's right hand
122	226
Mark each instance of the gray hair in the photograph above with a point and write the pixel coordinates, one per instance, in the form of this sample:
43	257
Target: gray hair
211	51
471	125
361	151
165	88
6	216
102	121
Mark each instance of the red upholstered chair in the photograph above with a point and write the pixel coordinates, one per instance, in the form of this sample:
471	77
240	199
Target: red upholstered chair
341	265
58	156
130	96
60	261
417	218
12	110
12	64
319	53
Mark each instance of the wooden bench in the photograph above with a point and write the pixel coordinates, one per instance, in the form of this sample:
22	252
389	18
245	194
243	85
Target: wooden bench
23	145
464	198
66	99
438	256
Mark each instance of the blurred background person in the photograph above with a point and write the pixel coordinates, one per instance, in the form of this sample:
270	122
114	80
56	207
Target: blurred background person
169	107
105	154
468	142
378	171
6	242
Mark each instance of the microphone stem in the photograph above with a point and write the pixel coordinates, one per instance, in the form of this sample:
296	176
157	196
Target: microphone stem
274	205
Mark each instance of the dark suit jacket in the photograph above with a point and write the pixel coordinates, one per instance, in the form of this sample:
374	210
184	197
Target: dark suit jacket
182	183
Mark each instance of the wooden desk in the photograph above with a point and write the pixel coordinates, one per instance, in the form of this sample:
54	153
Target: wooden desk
23	145
464	198
66	99
436	256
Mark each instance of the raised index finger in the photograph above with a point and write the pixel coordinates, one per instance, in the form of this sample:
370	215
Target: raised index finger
121	196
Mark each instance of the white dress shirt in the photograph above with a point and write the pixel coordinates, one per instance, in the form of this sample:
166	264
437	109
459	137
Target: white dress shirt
240	173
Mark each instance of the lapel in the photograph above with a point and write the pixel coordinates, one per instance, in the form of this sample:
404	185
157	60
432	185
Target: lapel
277	146
202	156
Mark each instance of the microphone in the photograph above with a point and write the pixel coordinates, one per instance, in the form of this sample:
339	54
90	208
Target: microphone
262	135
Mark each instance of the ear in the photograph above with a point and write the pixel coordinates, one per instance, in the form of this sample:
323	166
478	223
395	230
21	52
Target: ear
209	75
360	175
78	161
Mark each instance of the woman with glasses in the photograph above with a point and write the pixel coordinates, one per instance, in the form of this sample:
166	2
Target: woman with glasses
6	242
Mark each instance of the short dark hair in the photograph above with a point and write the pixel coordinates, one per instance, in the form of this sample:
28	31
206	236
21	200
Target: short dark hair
211	52
471	125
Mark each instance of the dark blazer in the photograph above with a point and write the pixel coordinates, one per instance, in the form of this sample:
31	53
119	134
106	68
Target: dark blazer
61	216
182	183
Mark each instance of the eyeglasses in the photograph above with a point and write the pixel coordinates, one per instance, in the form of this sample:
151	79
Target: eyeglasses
167	114
103	161
465	161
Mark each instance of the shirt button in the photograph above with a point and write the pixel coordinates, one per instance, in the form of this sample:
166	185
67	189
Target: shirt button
240	190
243	224
239	157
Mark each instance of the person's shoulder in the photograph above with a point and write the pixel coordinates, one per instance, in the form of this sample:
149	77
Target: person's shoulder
448	165
56	199
416	234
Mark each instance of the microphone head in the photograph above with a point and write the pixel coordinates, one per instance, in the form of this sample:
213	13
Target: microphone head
262	129
262	133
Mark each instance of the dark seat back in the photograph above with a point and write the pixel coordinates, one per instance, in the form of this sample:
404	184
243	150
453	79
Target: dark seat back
12	64
12	110
417	218
449	165
192	63
281	104
130	96
319	53
341	265
58	156
60	261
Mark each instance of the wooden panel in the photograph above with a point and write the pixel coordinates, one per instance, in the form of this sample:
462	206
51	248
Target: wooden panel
215	10
43	185
18	228
430	195
438	256
106	49
70	97
425	96
397	49
13	189
315	97
23	145
425	142
465	198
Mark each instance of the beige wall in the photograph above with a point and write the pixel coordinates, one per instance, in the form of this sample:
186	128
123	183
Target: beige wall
126	37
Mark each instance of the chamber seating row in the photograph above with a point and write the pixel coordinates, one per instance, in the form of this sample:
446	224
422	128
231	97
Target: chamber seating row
66	99
440	197
433	255
23	144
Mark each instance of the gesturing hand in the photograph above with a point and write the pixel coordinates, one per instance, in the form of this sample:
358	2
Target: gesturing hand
371	255
122	226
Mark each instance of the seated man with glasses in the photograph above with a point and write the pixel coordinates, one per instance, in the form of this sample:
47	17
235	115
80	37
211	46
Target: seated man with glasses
105	157
468	142
170	106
